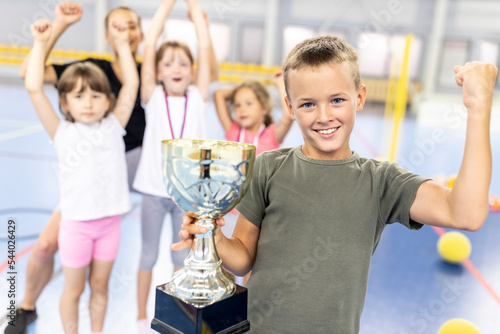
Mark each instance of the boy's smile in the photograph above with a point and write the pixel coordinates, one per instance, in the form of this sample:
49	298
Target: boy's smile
324	102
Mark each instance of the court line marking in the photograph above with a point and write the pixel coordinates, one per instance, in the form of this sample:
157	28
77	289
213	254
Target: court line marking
20	254
3	266
29	156
56	273
131	213
21	132
366	142
14	123
471	268
468	264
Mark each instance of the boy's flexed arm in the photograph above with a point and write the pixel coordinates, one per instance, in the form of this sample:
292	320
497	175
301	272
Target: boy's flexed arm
148	69
41	31
67	14
466	205
128	93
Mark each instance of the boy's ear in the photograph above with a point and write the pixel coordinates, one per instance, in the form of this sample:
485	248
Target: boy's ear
361	97
289	107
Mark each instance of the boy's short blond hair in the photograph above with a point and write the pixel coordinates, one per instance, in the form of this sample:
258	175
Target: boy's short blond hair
318	51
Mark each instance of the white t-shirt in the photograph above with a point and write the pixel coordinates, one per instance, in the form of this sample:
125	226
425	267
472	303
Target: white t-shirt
92	169
149	175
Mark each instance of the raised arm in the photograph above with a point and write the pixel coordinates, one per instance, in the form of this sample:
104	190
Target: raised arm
128	93
40	30
221	96
237	253
285	122
67	13
214	65
148	69
466	205
204	47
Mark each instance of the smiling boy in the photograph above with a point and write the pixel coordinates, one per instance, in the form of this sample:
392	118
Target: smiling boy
314	214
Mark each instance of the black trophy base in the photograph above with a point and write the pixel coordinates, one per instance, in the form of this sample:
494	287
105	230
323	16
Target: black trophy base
226	316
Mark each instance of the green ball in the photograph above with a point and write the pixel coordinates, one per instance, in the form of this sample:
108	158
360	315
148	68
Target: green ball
458	326
454	247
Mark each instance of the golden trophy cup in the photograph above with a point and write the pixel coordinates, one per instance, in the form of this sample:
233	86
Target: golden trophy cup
207	177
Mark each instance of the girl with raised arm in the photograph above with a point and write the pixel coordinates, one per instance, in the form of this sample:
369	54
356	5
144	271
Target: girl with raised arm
92	167
174	108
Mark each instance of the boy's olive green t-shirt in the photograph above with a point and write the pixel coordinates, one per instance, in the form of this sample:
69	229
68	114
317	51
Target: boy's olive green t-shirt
320	222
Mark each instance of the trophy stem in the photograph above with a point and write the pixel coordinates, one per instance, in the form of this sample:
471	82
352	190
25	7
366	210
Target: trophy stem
202	281
204	254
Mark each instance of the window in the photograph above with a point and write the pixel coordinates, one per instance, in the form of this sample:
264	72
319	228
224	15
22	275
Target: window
453	53
333	33
377	51
489	53
373	51
292	35
183	30
251	43
397	47
221	39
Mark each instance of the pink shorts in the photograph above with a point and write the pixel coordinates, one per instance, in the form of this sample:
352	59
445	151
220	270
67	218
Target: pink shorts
81	241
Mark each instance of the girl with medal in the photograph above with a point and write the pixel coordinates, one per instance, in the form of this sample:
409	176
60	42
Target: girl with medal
174	108
253	123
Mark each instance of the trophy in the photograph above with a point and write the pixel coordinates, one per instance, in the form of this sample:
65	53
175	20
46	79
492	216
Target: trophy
207	177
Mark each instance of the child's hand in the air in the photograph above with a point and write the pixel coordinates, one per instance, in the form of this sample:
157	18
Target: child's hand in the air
68	12
40	30
478	82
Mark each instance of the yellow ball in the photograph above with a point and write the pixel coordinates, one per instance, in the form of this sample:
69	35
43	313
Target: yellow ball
458	326
450	182
454	247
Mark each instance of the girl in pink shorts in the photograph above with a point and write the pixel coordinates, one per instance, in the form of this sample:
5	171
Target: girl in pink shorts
92	167
82	241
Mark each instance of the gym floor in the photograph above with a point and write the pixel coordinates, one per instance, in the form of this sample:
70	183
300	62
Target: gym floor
411	290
